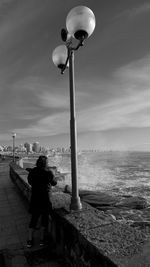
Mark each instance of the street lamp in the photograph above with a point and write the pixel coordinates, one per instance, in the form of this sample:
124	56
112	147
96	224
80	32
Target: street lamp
13	136
80	24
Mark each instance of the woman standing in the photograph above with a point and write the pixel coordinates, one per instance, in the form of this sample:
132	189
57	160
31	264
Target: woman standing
41	178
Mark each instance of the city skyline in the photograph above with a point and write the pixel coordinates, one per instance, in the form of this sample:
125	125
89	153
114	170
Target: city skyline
111	71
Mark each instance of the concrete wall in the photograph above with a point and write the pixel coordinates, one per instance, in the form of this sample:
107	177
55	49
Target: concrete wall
88	237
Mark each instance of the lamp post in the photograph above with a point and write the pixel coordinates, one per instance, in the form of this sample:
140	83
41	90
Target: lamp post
80	24
13	136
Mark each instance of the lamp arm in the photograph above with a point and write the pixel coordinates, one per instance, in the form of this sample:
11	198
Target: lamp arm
68	45
81	43
64	67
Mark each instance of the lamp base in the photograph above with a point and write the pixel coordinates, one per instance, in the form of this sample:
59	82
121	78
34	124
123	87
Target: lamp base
75	204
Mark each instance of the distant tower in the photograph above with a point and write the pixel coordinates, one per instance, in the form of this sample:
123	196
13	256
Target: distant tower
36	147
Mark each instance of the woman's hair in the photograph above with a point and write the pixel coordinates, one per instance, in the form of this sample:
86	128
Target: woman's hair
41	162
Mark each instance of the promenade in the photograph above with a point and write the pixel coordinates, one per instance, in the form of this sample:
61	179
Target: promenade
14	219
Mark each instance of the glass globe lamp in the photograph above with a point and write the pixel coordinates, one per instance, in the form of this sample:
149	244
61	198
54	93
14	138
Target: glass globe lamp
59	56
80	22
13	134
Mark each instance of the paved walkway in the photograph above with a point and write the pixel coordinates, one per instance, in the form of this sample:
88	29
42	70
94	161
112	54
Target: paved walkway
14	220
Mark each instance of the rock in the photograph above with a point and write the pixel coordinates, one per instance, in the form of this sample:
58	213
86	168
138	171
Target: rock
113	216
67	189
102	200
98	199
141	224
133	203
124	208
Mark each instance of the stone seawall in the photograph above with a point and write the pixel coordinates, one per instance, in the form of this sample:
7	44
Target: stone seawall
89	237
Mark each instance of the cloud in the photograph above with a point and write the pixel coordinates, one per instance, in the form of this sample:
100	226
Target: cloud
117	114
40	98
6	3
54	100
6	136
128	108
126	112
135	72
48	126
133	12
145	7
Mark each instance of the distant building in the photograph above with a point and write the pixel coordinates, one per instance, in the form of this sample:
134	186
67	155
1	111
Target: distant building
20	148
8	148
43	150
63	150
36	147
28	147
58	149
1	148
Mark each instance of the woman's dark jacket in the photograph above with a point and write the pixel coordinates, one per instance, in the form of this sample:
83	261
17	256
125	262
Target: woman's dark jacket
41	181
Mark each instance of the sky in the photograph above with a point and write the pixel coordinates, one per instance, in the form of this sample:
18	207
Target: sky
111	75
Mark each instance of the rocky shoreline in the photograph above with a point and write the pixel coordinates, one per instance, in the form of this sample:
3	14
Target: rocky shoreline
127	209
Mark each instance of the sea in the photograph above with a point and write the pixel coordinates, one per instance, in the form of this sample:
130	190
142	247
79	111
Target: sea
123	173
